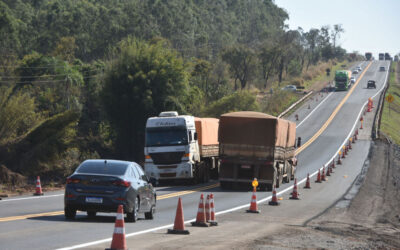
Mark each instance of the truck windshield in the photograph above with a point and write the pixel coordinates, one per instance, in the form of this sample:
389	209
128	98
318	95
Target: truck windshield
166	136
341	78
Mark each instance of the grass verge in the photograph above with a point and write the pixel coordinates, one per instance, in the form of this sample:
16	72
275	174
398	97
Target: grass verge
390	121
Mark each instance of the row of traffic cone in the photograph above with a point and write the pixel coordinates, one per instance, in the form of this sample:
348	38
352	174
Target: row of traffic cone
205	217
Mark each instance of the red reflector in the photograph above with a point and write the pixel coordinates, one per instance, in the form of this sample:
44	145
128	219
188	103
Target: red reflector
70	196
122	183
120	199
72	180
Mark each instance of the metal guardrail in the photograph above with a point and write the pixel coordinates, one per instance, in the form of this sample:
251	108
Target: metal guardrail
378	115
295	104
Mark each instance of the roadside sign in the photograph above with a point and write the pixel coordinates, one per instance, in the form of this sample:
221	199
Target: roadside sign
255	183
389	98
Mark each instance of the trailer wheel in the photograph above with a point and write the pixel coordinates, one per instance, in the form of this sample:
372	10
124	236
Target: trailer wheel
206	173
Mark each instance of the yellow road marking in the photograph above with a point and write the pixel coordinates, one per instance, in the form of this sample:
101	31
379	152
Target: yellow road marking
161	197
27	216
326	124
165	196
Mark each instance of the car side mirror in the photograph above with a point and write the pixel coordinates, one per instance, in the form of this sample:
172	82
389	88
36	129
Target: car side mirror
195	136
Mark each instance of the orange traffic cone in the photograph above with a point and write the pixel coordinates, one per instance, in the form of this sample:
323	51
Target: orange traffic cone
333	163
201	214
208	215
179	224
212	221
295	194
339	162
323	174
253	204
308	185
274	200
350	148
318	180
354	138
328	171
38	187
118	241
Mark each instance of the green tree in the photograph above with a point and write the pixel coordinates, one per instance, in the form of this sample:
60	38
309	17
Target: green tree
17	114
241	60
141	81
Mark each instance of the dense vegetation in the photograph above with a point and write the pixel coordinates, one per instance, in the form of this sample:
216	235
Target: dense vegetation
79	78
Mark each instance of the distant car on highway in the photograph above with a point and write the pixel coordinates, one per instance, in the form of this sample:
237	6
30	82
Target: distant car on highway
382	68
102	185
359	69
355	71
292	88
371	84
352	79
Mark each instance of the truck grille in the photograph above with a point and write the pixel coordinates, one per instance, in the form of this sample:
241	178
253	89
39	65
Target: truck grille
167	157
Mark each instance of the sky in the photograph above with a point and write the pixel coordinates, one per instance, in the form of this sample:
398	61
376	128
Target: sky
369	25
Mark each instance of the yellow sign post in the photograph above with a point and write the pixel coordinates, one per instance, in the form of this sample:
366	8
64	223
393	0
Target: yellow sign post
389	98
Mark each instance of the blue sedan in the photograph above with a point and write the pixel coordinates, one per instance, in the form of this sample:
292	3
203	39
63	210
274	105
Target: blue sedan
102	185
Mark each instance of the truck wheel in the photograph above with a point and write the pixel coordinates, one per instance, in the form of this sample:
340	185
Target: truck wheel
279	180
288	176
206	173
293	173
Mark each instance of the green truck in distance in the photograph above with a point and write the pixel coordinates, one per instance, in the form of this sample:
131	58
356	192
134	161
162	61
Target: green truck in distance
342	79
368	56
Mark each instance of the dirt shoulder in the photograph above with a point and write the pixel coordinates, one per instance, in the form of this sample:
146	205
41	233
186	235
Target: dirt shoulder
369	220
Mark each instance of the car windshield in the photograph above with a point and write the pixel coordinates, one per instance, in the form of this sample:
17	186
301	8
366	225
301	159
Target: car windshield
166	136
102	168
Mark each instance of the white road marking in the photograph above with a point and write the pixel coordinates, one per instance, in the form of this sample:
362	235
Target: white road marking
298	125
33	197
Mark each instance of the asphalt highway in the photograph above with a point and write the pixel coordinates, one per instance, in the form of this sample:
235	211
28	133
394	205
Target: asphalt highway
29	222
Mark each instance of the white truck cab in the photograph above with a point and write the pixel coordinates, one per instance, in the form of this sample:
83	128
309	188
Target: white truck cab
171	147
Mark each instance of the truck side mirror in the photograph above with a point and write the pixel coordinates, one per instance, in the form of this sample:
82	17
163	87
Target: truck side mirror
195	136
190	136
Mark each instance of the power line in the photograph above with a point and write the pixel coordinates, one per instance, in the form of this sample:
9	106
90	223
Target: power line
49	81
21	77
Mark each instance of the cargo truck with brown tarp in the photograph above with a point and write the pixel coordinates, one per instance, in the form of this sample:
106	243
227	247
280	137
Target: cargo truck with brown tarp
256	145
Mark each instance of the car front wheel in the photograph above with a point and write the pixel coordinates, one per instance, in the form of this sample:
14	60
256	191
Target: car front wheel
133	216
150	215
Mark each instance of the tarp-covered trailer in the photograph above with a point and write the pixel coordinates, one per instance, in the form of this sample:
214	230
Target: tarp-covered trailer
256	145
207	138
